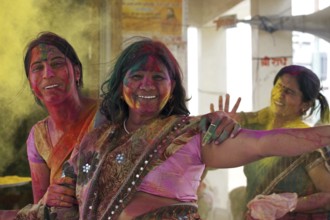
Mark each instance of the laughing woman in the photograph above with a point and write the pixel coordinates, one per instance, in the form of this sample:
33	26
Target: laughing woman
55	75
295	96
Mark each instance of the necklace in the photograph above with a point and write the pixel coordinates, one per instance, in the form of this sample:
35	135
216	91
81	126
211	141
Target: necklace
124	125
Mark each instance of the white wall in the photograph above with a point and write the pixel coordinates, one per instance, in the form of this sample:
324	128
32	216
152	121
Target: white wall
212	83
239	82
212	67
277	44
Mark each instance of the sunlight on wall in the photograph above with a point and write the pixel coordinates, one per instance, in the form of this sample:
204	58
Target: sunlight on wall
22	20
239	65
192	53
239	82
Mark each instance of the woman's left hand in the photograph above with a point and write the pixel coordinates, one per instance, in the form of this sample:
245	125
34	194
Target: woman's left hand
224	106
217	127
272	206
61	193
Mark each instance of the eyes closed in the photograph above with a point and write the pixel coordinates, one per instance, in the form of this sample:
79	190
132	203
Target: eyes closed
285	89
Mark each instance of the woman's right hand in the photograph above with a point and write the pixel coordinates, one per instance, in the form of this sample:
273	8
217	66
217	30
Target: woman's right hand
225	107
218	126
61	193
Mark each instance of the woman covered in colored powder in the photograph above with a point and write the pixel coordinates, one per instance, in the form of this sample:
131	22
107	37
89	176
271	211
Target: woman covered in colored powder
293	98
147	161
55	76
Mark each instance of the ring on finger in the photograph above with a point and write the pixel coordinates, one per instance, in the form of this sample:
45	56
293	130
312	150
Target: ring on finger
207	137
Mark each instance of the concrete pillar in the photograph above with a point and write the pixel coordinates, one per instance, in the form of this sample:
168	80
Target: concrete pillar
212	68
110	36
211	84
264	44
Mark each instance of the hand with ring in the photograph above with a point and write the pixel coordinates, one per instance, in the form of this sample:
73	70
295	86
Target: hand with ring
61	193
217	127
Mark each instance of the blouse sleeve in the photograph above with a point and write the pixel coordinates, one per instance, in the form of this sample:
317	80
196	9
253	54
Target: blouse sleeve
33	154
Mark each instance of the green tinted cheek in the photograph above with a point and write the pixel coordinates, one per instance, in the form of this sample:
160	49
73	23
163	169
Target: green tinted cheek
125	81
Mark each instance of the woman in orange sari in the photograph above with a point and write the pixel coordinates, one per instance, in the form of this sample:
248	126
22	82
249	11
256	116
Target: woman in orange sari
55	76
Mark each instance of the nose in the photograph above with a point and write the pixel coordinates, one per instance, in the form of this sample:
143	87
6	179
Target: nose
48	71
147	84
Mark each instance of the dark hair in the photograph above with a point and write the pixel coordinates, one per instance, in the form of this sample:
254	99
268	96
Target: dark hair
114	107
310	86
61	44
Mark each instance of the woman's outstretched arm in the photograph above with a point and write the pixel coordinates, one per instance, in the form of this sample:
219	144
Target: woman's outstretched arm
251	145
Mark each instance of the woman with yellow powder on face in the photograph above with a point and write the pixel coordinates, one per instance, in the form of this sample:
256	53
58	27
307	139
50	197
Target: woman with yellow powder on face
293	98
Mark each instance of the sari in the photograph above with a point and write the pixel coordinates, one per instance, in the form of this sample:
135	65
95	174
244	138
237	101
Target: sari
283	174
55	156
110	167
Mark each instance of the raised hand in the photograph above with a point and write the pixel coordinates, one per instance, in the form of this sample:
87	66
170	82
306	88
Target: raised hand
225	107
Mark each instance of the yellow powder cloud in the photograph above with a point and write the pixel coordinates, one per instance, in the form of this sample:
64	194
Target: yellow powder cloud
21	21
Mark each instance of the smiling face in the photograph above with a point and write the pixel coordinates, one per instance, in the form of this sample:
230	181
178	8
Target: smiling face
147	87
287	99
51	75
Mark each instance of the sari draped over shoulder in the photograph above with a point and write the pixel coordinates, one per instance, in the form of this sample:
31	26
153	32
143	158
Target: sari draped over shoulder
109	168
281	174
56	155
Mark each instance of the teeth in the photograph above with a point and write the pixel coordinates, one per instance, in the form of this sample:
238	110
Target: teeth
147	96
278	103
51	86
